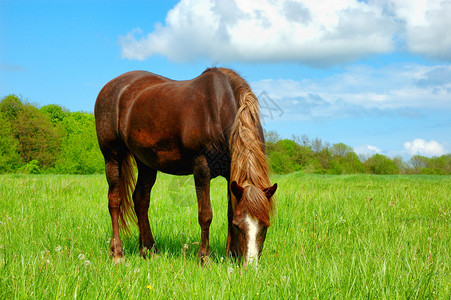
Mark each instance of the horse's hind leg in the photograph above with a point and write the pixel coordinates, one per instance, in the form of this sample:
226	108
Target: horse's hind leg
141	198
112	168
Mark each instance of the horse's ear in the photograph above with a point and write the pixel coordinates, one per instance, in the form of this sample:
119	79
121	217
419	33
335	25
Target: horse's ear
236	190
269	192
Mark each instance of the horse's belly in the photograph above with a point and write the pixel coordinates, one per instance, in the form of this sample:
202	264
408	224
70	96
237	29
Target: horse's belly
170	161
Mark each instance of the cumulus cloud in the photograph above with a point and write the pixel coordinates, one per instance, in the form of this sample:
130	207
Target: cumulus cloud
425	148
426	26
367	150
318	33
315	32
401	90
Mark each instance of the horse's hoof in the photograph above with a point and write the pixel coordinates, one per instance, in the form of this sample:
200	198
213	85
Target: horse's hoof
117	255
147	253
203	260
119	260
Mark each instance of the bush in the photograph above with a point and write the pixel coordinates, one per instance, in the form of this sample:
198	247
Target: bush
9	147
280	163
49	139
31	167
432	171
380	164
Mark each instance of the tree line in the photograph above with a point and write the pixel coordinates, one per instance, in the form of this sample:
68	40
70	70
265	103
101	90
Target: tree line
51	139
315	156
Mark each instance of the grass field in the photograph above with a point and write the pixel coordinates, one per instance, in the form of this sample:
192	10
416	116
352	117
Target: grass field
332	237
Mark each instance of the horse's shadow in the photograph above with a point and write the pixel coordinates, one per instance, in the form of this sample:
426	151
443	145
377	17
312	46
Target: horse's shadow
174	247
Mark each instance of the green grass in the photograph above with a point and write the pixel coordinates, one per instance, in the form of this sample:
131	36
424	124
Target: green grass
356	236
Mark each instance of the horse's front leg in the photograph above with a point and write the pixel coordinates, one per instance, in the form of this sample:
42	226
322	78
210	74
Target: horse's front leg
229	219
205	215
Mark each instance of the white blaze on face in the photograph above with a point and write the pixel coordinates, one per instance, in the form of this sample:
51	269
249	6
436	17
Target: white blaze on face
252	248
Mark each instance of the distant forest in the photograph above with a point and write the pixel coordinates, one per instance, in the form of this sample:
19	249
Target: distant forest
51	139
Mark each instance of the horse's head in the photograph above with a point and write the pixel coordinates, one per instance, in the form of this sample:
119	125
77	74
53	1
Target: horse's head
250	220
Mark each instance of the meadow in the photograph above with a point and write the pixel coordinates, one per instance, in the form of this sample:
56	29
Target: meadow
349	236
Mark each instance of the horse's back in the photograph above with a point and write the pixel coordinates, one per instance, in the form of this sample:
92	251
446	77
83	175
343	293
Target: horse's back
170	123
113	92
114	97
165	122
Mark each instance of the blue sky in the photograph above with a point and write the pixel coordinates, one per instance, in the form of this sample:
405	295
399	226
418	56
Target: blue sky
375	75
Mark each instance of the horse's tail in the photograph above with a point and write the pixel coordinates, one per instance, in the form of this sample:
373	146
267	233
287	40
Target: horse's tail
127	184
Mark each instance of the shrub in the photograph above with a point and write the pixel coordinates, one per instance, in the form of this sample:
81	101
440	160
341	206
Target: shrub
380	164
280	163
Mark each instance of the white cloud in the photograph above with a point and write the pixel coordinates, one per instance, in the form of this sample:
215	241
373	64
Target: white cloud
316	32
425	148
361	91
426	26
367	150
322	32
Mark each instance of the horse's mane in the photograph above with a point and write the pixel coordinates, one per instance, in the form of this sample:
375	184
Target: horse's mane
247	148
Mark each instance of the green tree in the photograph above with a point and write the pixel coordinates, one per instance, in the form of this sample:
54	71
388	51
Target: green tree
80	153
353	163
288	147
435	165
10	106
301	156
349	163
432	171
418	162
340	149
31	167
9	147
404	167
441	162
280	163
38	139
380	164
324	158
55	113
343	160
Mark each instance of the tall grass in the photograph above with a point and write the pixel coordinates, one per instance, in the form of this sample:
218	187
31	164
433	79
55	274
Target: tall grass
356	236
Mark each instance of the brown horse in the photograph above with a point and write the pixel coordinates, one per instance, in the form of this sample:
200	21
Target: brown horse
208	126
